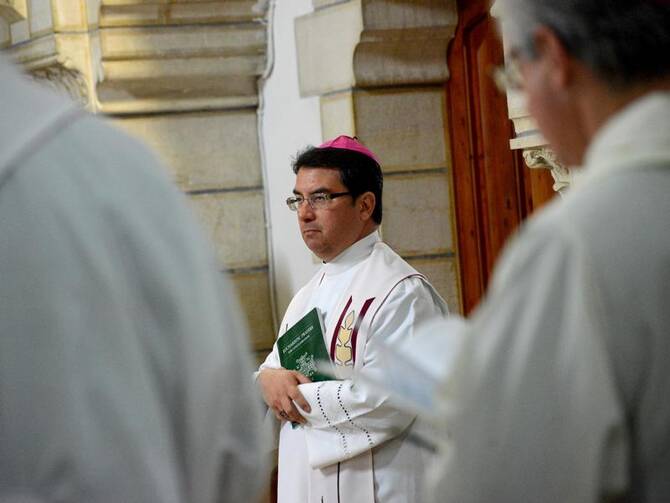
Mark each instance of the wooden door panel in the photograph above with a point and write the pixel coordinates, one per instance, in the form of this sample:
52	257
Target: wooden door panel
493	189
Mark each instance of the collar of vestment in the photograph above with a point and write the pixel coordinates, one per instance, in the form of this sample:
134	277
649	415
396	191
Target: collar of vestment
637	137
353	255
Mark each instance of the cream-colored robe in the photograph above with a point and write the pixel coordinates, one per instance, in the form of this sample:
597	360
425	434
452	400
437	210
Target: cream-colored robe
357	446
562	388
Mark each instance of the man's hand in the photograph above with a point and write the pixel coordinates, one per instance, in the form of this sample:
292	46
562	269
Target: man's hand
279	388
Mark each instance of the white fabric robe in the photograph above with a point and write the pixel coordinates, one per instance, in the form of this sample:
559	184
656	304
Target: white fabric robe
362	429
562	389
123	364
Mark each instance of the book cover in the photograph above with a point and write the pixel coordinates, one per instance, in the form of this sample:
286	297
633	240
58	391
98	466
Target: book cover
302	347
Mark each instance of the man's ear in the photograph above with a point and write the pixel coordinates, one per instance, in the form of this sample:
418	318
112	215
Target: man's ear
366	205
551	52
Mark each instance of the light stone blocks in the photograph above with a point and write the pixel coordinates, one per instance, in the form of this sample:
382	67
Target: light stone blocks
404	127
13	10
148	42
337	115
204	150
325	66
4	34
252	289
235	223
20	31
164	13
394	15
40	17
417	211
70	15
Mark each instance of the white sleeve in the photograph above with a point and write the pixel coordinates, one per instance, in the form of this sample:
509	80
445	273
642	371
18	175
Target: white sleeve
348	419
531	407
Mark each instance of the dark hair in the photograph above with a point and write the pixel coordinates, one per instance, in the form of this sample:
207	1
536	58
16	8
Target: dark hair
622	41
358	172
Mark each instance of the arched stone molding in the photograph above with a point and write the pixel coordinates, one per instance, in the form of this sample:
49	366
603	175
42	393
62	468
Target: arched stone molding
404	43
379	68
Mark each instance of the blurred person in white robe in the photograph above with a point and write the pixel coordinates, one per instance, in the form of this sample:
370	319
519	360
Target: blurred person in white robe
123	363
560	392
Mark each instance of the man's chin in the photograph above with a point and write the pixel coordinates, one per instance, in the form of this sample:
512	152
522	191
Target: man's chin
314	244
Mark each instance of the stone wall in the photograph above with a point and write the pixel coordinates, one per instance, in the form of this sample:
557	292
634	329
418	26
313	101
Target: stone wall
183	77
379	69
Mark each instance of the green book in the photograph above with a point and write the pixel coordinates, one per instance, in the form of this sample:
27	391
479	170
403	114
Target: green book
302	347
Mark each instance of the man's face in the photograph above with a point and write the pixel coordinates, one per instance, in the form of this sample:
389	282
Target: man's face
329	231
552	98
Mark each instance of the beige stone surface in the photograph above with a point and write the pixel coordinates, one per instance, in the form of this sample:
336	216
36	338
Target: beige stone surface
318	4
235	223
163	13
416	214
4	33
389	14
13	10
403	126
20	31
150	42
337	115
325	41
253	291
70	15
204	150
40	16
181	67
404	42
443	275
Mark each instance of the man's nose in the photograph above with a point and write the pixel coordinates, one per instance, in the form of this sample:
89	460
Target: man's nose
305	211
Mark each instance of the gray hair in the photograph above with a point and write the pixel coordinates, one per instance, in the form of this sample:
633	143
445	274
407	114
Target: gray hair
623	42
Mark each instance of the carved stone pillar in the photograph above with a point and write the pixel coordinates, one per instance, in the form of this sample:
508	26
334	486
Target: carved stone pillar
379	68
543	157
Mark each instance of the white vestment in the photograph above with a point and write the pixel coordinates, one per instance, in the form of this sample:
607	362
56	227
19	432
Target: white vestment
562	389
355	447
123	364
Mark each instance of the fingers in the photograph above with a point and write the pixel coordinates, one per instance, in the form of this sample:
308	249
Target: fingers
297	397
293	415
279	388
301	378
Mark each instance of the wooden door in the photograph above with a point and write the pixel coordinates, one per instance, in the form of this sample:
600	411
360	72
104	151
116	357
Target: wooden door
493	189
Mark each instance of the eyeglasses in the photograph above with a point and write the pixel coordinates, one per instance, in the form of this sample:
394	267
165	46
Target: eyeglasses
316	201
508	77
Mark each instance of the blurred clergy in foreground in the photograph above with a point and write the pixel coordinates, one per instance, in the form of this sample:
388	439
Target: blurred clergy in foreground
560	392
123	362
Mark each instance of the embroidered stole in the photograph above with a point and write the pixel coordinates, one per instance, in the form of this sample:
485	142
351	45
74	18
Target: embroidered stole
351	481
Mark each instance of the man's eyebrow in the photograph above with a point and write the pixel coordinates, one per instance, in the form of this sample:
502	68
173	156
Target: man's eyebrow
320	190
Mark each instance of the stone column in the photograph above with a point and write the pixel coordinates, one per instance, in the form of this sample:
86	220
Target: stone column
379	68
